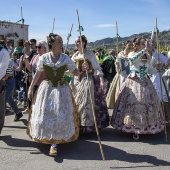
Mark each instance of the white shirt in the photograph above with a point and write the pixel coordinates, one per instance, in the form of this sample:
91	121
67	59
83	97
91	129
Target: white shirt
155	56
168	54
4	61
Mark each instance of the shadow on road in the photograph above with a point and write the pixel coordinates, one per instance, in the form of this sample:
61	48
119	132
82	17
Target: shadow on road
15	127
81	150
87	150
110	134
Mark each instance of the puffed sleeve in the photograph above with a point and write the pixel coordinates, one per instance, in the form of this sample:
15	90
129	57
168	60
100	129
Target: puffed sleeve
135	57
95	64
154	57
70	64
118	60
74	56
40	64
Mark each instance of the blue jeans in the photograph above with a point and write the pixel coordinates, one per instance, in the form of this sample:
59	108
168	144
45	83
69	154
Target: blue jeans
10	85
22	92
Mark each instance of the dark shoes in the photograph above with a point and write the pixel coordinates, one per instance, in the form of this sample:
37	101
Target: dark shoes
18	116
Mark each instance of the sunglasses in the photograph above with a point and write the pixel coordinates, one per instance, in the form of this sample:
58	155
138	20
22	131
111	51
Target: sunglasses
78	42
38	47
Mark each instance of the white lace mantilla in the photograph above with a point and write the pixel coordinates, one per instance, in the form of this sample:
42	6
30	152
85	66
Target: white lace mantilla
123	74
63	60
92	58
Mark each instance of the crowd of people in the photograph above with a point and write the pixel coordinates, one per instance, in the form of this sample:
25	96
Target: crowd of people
60	92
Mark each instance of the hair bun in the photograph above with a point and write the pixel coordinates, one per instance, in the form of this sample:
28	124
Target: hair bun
134	40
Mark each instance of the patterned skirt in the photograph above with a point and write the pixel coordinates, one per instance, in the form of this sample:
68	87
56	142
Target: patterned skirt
137	108
82	99
53	116
115	86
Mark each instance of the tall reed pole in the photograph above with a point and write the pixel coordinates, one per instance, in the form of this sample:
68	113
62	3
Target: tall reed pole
117	50
53	25
68	38
90	93
160	76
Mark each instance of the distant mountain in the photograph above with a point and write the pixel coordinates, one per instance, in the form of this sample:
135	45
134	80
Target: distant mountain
164	39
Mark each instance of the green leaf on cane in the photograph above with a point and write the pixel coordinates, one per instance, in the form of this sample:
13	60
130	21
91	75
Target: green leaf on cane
80	29
68	37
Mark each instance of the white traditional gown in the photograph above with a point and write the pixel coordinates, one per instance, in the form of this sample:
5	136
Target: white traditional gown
54	117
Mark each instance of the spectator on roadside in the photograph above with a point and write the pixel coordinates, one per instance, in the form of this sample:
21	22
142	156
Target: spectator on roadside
10	85
108	69
33	43
9	47
19	48
4	61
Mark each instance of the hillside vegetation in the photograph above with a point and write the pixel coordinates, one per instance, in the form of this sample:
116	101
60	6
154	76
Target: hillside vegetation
164	40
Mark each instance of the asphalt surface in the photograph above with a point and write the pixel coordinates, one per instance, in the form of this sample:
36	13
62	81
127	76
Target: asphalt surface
18	152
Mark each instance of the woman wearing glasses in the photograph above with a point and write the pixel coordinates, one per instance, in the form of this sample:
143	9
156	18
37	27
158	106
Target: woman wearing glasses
137	109
42	48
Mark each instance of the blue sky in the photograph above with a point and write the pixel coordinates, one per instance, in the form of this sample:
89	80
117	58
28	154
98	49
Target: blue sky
97	17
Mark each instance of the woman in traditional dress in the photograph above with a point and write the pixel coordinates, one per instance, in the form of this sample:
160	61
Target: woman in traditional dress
79	85
137	109
123	70
156	78
54	118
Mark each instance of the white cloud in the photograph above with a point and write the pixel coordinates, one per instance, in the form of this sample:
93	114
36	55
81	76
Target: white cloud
104	25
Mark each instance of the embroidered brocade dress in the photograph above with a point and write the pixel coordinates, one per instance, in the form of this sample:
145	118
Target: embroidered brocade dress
79	86
137	109
118	80
54	117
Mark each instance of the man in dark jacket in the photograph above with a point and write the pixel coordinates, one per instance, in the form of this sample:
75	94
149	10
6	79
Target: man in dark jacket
108	68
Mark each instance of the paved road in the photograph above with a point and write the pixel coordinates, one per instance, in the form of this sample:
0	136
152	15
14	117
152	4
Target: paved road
18	152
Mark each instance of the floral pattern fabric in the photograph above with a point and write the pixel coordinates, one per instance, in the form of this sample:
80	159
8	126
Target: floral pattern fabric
137	109
82	97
